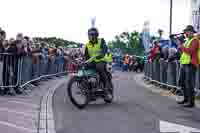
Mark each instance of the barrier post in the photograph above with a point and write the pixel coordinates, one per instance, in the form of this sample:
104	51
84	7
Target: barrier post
197	84
1	71
27	70
177	72
145	69
151	70
36	66
197	87
161	70
154	70
157	71
171	73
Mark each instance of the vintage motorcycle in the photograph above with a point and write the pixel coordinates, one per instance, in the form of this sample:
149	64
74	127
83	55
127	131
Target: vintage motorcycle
89	86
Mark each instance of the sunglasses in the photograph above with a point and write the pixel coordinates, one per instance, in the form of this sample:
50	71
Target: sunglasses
92	34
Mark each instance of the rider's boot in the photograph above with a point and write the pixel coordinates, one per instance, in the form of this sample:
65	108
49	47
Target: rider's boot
108	94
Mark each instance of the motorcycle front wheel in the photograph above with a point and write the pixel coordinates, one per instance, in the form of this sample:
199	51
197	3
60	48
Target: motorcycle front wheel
77	95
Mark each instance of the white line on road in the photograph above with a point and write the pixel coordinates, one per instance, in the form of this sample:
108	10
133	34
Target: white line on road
17	127
47	102
16	112
171	127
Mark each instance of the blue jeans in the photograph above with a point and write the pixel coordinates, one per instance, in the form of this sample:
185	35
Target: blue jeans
125	67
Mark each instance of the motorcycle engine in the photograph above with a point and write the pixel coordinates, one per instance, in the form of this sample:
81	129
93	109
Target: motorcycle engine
93	82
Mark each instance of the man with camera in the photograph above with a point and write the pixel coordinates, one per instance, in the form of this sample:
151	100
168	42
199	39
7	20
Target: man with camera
189	63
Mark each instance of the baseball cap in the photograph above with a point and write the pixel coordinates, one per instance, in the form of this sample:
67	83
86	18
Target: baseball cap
189	28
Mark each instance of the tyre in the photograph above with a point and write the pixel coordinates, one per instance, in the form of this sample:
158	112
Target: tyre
79	101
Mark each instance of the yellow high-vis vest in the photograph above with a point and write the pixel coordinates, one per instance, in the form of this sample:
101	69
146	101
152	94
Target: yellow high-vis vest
94	50
185	57
198	53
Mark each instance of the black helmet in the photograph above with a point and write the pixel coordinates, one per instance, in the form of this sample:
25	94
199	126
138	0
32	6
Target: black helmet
94	30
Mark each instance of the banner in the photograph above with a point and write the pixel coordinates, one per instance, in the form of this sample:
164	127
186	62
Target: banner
146	35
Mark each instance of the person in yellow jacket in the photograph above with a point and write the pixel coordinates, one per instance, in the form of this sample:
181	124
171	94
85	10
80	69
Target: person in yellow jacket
198	52
188	63
96	47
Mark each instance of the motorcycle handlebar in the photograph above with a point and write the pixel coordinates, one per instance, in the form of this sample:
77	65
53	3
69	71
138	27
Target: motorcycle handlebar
89	60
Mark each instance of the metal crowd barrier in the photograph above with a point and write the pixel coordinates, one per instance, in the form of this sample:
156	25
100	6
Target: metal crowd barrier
9	69
18	71
167	74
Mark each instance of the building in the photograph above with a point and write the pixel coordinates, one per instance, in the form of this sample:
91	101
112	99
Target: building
195	14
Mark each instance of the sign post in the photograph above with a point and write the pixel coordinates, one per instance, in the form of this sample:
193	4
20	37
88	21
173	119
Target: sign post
170	23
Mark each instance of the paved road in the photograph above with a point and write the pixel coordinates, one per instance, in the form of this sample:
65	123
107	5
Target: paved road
136	109
19	114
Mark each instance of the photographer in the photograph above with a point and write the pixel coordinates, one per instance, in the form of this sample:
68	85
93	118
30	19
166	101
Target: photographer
189	63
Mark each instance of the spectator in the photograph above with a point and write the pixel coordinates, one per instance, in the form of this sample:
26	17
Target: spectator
2	38
172	43
164	53
125	62
155	52
189	63
173	55
19	36
160	32
10	67
27	45
36	51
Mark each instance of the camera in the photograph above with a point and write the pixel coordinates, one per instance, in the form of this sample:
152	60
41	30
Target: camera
179	37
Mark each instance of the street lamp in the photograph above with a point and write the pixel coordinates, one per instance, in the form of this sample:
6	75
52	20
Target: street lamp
170	23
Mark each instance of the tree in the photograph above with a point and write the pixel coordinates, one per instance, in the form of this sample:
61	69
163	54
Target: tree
53	41
128	42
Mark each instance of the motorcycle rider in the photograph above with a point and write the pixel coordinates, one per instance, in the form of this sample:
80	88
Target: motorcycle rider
97	47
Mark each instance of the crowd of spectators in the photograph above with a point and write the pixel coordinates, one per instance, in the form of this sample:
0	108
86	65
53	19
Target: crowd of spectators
22	46
165	53
177	64
132	63
169	53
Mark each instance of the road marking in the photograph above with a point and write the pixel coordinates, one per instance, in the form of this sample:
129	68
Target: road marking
47	102
171	127
17	127
16	112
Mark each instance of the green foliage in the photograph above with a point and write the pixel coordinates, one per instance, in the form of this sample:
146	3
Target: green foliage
56	42
128	42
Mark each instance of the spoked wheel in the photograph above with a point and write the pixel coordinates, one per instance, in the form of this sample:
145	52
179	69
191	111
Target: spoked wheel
77	93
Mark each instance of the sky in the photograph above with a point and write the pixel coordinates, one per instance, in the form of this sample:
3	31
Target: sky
70	19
